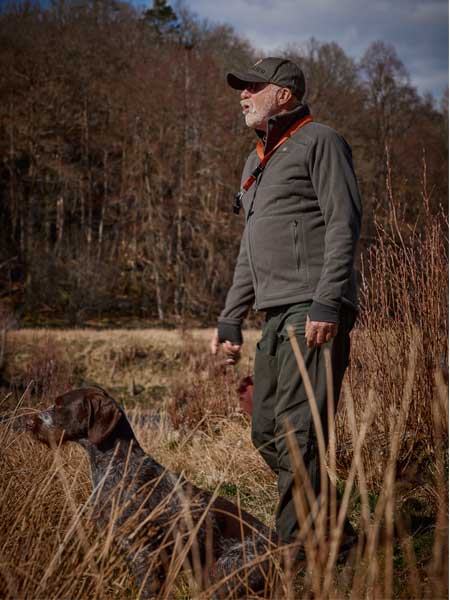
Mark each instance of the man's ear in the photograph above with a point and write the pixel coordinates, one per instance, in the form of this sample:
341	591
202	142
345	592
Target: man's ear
104	415
284	96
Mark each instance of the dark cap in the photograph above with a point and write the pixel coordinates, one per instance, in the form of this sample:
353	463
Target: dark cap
281	71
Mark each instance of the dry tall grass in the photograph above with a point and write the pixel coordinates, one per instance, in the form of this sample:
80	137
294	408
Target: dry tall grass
402	338
388	455
50	549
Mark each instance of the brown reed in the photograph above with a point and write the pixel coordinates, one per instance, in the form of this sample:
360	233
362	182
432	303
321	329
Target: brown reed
390	444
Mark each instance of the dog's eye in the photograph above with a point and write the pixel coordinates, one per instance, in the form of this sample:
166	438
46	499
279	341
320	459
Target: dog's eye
60	408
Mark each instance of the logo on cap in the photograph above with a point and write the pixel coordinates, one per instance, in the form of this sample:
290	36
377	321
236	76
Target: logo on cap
256	68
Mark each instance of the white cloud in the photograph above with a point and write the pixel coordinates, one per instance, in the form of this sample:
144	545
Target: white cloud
430	12
417	28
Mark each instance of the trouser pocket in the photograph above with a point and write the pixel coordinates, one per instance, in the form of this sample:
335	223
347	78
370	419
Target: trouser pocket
295	317
268	342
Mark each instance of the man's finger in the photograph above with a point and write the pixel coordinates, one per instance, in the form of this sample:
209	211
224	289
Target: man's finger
232	359
311	339
321	337
235	351
230	347
310	333
307	327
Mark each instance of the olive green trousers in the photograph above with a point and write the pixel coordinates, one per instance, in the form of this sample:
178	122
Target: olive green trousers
280	401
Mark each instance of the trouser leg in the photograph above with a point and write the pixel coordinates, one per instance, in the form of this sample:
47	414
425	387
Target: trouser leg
264	397
292	410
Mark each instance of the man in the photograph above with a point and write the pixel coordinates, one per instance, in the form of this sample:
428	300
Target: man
302	222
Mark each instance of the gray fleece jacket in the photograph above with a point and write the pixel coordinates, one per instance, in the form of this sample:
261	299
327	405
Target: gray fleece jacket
302	224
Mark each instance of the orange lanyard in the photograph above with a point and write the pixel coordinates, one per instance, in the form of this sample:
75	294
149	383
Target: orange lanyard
264	159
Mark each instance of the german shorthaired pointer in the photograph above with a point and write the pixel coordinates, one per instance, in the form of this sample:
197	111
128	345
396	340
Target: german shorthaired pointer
158	516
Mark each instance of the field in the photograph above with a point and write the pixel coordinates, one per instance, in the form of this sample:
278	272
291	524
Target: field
388	452
138	366
48	546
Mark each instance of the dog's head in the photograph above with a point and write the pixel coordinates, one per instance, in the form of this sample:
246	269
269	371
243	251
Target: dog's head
85	413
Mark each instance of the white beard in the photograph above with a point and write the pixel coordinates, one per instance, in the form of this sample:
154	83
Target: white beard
257	119
251	116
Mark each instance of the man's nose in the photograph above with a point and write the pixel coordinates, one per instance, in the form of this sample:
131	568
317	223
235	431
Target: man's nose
245	94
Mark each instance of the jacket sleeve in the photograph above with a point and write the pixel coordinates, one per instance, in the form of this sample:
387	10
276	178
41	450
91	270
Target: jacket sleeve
240	297
334	181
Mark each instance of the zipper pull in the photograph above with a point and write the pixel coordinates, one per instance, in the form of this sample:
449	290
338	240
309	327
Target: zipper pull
257	172
238	202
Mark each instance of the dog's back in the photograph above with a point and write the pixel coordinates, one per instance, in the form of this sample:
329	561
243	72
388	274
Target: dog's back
157	515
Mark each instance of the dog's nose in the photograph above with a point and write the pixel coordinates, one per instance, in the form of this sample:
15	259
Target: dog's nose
41	419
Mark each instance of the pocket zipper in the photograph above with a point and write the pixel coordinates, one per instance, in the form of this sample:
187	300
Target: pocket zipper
297	253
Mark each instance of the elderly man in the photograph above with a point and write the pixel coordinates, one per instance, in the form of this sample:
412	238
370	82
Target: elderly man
296	264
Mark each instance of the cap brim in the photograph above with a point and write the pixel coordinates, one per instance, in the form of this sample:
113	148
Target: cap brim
238	81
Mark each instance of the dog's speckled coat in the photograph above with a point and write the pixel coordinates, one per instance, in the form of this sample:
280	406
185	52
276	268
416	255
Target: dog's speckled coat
155	512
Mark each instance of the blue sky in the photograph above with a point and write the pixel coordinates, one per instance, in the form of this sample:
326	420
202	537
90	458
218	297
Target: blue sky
417	28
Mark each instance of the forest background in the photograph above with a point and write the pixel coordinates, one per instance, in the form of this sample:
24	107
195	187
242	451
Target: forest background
121	148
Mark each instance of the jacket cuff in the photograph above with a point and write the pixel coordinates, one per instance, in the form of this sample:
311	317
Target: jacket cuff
230	332
323	312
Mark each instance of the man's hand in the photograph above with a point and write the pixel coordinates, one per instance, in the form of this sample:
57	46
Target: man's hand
319	332
232	351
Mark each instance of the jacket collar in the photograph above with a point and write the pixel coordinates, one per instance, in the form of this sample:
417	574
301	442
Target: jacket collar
280	123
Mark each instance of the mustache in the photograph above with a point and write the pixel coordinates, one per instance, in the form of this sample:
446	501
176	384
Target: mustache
247	104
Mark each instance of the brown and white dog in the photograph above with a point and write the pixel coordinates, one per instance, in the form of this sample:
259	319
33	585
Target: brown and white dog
157	514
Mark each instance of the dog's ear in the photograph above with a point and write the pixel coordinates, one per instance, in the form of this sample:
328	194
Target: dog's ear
103	418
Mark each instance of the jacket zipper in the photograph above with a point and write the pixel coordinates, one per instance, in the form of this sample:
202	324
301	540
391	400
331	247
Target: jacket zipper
249	226
297	252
